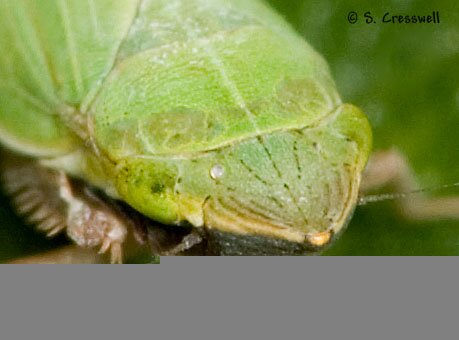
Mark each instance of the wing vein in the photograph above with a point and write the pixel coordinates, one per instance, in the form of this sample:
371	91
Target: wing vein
71	47
94	19
20	47
29	97
93	92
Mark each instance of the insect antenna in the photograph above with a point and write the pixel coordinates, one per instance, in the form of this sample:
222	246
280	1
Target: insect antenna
363	200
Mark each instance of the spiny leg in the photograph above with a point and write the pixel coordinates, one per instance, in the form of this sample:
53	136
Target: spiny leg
391	168
91	222
54	203
34	193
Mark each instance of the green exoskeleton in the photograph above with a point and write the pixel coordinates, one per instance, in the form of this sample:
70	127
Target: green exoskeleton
208	114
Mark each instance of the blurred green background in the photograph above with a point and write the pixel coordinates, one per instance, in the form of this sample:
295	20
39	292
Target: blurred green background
406	78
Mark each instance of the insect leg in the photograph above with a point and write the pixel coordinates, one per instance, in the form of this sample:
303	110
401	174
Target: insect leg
71	254
54	202
189	241
91	222
391	168
34	192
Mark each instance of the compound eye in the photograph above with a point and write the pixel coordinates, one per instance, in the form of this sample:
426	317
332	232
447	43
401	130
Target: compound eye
217	171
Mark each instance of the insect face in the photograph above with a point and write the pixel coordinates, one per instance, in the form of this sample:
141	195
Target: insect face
295	185
298	186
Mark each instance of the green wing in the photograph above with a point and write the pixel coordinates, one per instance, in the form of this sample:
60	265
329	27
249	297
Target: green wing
55	55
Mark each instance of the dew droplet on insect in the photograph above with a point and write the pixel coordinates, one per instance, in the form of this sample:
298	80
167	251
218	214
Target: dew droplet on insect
217	171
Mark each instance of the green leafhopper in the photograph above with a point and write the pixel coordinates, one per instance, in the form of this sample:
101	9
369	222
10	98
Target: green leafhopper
210	115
